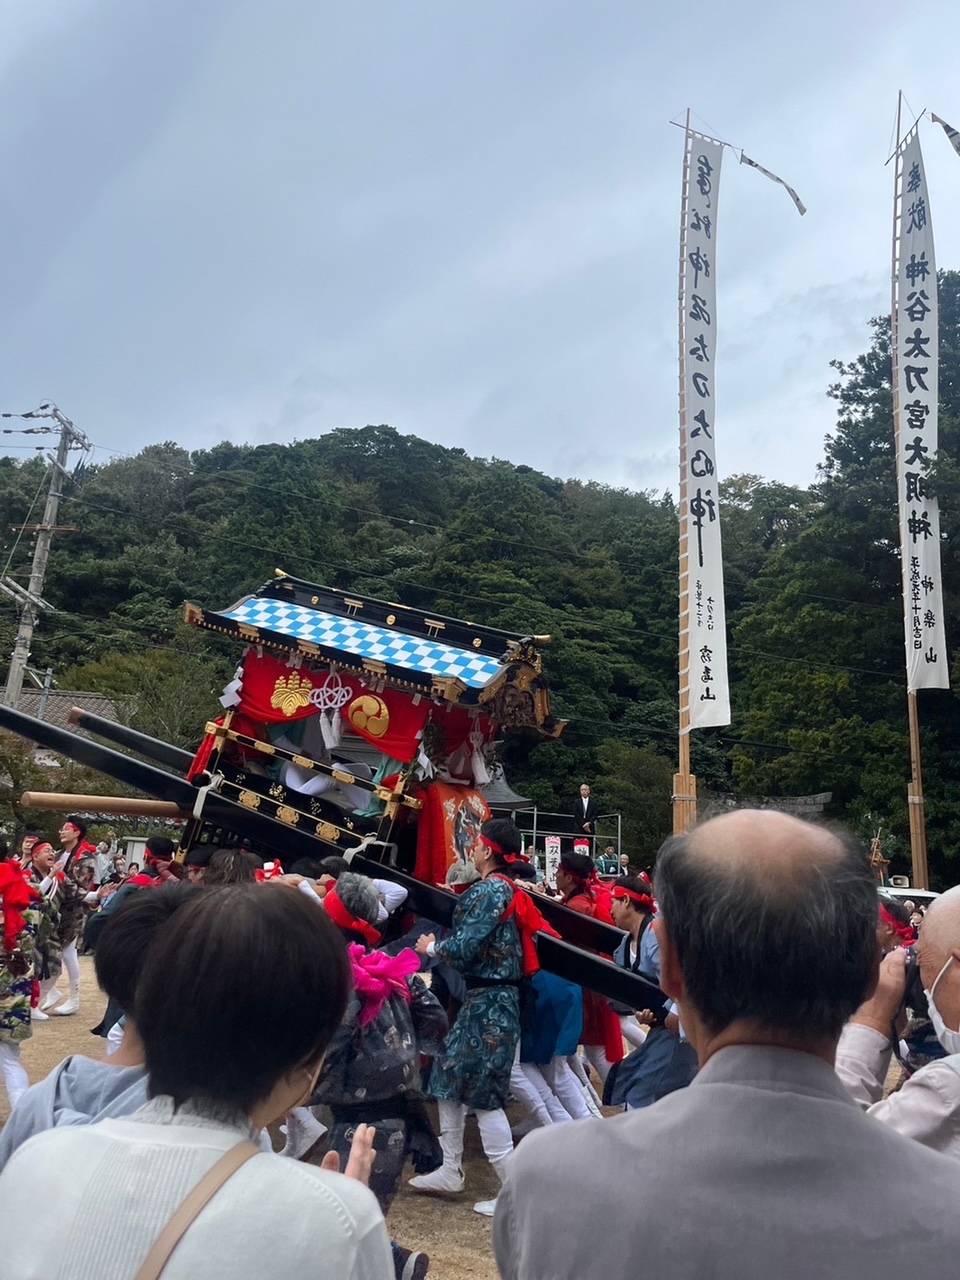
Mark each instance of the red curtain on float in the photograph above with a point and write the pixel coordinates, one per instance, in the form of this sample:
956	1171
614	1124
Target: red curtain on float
273	693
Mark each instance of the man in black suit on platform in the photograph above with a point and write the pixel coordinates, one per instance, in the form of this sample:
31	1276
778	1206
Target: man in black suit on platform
586	810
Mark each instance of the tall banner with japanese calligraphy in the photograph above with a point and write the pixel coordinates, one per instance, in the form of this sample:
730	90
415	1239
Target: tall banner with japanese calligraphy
707	690
916	336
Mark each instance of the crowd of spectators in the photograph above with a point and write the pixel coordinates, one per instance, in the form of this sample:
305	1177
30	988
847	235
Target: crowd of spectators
749	1128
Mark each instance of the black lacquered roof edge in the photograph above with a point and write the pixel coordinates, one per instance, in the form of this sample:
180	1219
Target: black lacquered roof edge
472	637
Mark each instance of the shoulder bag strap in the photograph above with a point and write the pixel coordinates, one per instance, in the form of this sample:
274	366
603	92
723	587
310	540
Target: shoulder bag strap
191	1207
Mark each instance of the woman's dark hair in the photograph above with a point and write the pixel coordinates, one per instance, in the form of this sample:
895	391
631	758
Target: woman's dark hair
577	864
127	934
504	833
246	983
635	885
895	907
160	847
199	856
520	871
232	866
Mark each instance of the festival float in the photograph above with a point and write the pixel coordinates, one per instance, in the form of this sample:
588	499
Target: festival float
351	726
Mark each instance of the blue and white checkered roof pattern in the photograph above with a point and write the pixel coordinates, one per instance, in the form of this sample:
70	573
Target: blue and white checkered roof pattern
350	635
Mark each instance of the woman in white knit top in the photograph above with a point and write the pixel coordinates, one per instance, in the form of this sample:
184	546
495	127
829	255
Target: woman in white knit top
241	994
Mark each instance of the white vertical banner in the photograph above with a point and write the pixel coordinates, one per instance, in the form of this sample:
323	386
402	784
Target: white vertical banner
551	853
917	334
706	634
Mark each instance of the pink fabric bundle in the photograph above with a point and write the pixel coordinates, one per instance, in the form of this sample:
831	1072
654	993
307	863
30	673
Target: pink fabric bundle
377	977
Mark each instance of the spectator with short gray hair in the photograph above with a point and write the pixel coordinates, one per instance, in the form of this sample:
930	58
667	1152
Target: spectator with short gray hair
764	1166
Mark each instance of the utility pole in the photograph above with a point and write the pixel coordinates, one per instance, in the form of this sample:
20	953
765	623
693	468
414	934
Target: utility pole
70	438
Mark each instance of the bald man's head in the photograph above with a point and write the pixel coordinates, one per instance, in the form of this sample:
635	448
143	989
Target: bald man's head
773	920
940	932
766	844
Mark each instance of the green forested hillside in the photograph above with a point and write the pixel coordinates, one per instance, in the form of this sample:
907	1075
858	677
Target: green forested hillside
812	579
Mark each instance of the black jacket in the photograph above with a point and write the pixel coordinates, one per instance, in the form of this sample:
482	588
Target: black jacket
590	816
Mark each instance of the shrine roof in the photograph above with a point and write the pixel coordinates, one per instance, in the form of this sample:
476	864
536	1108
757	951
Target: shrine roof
366	641
405	645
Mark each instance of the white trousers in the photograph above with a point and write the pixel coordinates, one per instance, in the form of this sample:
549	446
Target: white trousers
71	962
590	1094
568	1089
597	1058
632	1031
528	1084
495	1136
15	1079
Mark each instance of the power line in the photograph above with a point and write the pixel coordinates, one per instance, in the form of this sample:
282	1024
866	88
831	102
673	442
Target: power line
604	628
599	629
404	521
581	726
43	480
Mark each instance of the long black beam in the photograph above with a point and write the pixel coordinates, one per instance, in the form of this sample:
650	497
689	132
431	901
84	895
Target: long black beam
561	956
581	930
134	773
154	749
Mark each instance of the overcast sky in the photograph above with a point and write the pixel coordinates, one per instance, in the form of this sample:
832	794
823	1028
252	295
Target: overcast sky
256	222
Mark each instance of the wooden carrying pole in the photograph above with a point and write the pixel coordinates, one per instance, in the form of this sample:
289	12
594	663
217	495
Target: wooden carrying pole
684	783
915	803
915	807
128	805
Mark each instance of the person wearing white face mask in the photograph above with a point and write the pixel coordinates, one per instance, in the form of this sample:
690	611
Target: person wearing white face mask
927	1106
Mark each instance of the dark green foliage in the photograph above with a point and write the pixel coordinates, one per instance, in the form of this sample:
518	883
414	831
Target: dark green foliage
812	577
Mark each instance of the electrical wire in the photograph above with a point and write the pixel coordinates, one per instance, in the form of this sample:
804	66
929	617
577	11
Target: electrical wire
601	629
16	544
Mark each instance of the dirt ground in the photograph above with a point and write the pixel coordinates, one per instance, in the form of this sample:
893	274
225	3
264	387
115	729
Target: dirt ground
456	1238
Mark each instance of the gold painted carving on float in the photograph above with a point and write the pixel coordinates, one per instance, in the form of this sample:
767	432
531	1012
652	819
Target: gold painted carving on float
303	761
287	815
248	632
250	799
291	693
370	714
448	687
326	831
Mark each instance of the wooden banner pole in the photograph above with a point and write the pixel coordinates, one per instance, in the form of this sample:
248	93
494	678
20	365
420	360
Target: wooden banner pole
915	805
915	802
684	783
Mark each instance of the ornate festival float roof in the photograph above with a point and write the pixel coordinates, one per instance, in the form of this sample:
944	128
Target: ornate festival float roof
395	646
356	726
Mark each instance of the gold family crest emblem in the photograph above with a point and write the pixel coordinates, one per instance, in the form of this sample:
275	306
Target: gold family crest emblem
370	714
291	693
